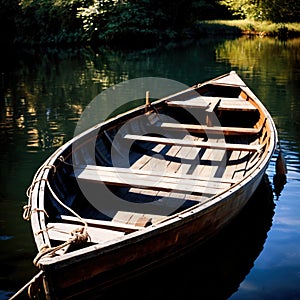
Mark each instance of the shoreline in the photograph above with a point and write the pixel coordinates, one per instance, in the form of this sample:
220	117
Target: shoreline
201	29
253	28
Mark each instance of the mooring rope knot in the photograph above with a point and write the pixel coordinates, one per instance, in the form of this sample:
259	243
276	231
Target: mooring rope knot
80	235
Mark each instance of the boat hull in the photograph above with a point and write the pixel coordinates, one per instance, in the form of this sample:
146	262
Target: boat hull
102	268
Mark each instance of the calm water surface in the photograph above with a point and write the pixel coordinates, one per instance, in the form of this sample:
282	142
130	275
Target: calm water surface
42	94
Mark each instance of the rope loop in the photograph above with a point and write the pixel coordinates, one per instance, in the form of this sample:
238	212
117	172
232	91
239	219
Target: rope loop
43	251
27	212
50	167
80	235
61	158
40	210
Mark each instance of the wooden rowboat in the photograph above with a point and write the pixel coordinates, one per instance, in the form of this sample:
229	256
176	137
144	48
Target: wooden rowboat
147	185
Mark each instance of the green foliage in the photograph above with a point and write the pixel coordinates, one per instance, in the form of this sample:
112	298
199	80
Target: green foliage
143	22
242	8
49	21
285	11
133	23
250	27
272	10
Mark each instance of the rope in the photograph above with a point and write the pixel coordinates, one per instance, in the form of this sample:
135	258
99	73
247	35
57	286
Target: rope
28	212
78	236
27	208
65	206
28	284
43	230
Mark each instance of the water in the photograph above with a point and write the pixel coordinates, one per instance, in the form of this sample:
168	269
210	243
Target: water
42	94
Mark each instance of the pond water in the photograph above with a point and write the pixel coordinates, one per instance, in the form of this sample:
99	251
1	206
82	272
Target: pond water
42	94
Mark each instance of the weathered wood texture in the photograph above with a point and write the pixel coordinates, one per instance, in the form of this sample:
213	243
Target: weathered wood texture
163	182
169	141
211	129
210	103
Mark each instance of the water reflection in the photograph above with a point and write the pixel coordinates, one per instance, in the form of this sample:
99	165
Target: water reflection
271	67
46	91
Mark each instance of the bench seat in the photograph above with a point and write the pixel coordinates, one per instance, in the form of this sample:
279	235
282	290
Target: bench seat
153	181
188	143
208	104
211	129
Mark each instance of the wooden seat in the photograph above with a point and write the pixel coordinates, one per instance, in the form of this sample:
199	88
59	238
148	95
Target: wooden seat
212	182
62	232
211	129
208	104
187	143
112	225
151	180
235	104
204	103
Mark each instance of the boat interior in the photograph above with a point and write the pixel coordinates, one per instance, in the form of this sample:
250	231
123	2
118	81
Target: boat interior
156	161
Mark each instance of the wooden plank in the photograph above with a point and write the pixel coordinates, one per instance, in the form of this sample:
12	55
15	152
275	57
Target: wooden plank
202	102
158	173
240	169
112	225
232	79
131	218
209	103
188	157
146	181
232	165
155	167
144	160
213	162
211	129
235	104
237	165
62	232
185	143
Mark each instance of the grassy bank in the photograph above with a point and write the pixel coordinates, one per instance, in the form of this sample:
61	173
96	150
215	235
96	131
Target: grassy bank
283	30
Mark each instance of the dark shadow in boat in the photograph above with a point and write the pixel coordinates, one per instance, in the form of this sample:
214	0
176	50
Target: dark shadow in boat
213	270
